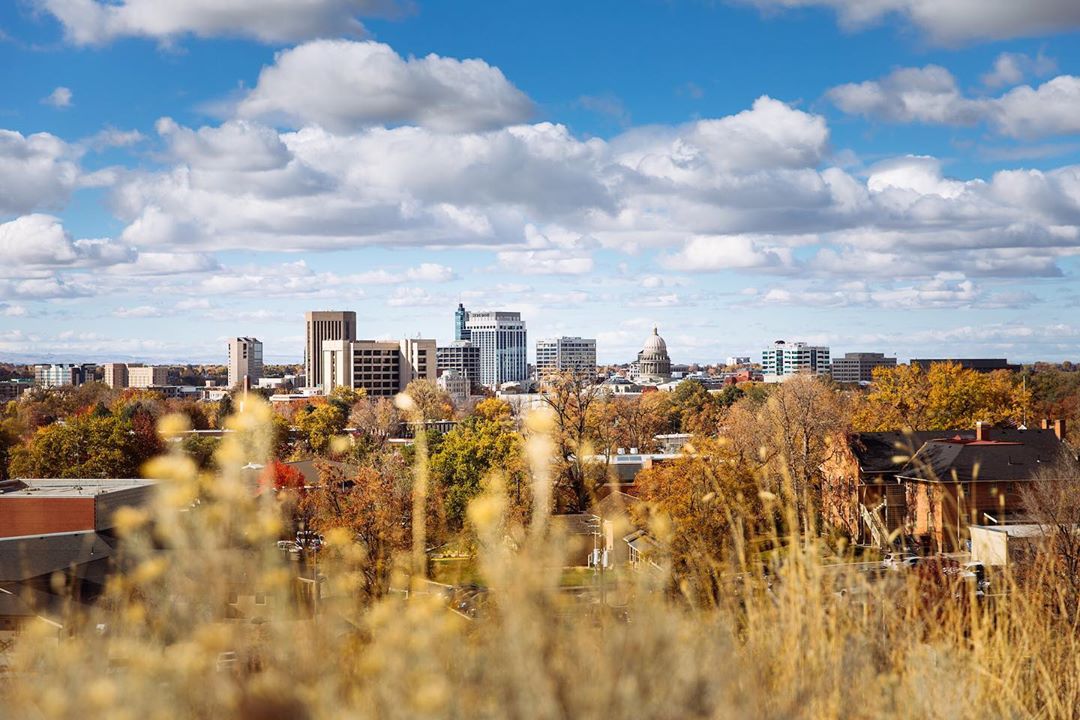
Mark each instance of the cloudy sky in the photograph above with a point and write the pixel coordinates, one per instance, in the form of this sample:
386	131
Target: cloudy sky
889	175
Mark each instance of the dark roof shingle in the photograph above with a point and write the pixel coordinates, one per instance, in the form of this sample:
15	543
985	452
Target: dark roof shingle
1008	455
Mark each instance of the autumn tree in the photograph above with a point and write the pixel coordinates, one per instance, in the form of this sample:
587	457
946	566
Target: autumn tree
698	410
704	506
220	411
432	402
571	399
89	445
945	397
375	420
787	437
635	421
1055	394
1052	500
375	505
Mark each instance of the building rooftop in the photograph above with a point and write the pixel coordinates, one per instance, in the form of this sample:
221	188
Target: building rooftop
28	556
1006	455
888	452
1018	530
55	487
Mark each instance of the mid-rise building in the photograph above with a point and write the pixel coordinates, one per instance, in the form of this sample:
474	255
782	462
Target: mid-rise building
501	337
320	326
245	361
859	367
381	368
566	355
462	357
13	389
63	374
783	359
737	360
116	375
147	376
461	319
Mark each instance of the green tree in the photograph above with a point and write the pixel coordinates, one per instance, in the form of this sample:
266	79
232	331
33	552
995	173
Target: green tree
698	410
469	454
321	423
10	434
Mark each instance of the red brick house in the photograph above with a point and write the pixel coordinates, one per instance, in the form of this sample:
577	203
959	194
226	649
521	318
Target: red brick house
930	485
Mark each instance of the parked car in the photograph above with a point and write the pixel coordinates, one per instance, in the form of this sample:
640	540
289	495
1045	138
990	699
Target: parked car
900	561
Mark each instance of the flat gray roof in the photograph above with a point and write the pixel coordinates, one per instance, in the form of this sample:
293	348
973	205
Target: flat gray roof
89	487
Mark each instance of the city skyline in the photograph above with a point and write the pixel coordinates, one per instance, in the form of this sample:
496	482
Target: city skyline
910	188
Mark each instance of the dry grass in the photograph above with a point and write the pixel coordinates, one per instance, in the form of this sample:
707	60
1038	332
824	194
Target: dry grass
786	646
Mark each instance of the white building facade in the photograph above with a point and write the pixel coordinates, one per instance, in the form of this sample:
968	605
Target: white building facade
782	360
60	375
501	337
653	364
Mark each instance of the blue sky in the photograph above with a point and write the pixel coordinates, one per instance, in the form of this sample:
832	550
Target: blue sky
899	175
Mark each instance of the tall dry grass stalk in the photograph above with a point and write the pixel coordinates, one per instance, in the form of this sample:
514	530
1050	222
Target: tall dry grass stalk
802	640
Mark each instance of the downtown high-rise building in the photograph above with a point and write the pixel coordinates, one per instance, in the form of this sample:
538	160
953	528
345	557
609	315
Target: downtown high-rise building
461	319
503	346
323	325
245	361
566	355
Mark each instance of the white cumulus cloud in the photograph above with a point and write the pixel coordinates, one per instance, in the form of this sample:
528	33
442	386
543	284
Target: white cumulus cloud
950	22
96	22
36	171
344	86
931	95
58	98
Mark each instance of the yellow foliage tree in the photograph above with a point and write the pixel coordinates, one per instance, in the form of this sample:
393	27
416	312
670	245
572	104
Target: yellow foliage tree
945	397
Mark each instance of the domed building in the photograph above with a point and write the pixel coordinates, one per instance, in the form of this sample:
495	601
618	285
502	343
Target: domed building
653	366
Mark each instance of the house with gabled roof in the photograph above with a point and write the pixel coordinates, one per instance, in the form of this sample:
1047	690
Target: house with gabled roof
930	485
954	482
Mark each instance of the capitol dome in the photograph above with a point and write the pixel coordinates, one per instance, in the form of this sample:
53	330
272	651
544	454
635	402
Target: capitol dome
653	363
655	345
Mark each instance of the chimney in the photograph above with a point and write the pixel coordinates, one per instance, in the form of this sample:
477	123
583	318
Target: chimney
1059	428
1045	424
982	431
